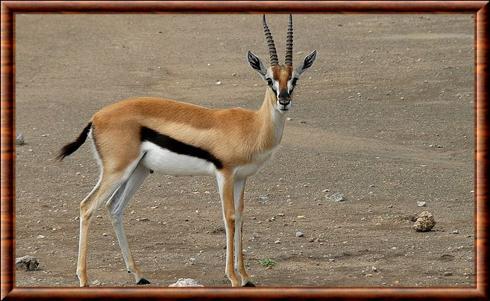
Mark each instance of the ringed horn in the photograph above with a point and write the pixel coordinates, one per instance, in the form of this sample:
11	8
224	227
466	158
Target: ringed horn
270	43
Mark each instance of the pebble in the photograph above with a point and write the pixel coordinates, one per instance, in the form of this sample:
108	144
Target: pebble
374	269
325	190
218	83
425	222
421	204
263	198
289	119
27	263
300	217
96	282
41	236
336	197
448	274
277	242
104	234
455	232
186	282
143	219
299	234
19	139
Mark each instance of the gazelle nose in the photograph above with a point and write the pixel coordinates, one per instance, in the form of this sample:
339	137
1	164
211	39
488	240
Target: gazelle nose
284	101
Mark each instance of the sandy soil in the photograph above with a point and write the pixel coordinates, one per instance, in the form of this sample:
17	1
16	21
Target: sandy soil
385	116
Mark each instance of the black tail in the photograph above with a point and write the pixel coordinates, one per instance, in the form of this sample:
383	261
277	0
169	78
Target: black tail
70	148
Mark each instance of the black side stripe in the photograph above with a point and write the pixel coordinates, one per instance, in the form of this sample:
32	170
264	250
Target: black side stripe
176	146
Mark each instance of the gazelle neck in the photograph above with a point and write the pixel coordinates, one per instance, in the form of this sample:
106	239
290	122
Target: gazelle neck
272	120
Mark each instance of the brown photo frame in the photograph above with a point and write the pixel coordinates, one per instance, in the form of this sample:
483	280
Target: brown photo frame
10	8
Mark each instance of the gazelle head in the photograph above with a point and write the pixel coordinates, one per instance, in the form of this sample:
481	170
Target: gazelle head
281	79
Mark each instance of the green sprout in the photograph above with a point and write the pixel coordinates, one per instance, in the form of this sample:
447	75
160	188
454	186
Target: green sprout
267	263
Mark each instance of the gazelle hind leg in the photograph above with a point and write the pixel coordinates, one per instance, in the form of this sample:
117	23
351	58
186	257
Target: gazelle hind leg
239	187
101	192
225	185
116	207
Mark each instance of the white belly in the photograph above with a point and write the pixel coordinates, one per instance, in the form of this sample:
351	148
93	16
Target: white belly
170	163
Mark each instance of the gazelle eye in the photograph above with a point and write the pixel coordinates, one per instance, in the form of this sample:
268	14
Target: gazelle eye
269	81
293	82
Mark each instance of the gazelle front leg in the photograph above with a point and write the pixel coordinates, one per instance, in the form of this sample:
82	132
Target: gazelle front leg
225	185
239	187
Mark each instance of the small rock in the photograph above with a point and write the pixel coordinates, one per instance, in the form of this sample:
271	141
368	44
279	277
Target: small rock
289	119
19	139
448	274
455	232
277	242
280	214
143	219
374	269
263	198
425	222
218	83
300	217
41	236
104	234
233	74
325	190
299	234
186	282
96	282
27	263
336	197
421	204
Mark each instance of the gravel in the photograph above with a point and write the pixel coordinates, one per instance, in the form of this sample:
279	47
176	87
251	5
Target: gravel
336	197
27	263
19	139
186	282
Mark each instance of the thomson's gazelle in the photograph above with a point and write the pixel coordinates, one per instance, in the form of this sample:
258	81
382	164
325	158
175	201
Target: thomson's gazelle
136	136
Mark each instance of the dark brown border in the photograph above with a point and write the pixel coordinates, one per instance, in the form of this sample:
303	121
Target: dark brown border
10	8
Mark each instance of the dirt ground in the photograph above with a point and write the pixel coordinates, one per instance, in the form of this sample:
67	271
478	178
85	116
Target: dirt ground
385	116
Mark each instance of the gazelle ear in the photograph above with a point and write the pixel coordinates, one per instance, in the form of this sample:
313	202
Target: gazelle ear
307	62
256	63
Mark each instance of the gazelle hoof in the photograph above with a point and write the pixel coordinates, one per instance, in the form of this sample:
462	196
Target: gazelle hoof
249	284
143	281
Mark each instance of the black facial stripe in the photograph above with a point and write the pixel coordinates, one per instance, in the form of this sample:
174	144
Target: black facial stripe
176	146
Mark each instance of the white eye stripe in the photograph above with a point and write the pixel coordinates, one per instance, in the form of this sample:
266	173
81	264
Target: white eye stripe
276	86
290	83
